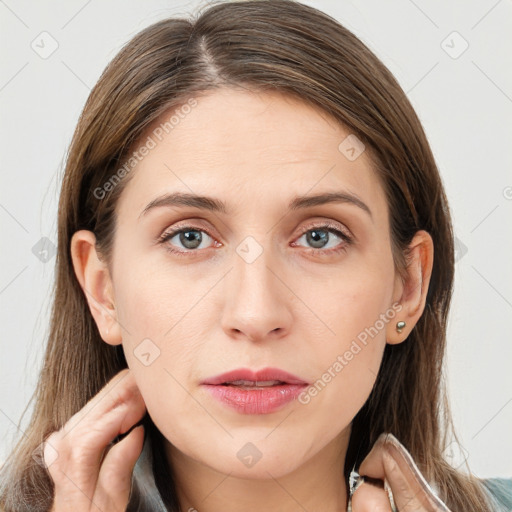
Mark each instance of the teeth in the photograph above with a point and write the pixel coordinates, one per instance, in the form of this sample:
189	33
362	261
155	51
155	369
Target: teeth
261	383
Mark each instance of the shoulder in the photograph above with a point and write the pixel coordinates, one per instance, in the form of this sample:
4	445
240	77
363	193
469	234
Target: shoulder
500	491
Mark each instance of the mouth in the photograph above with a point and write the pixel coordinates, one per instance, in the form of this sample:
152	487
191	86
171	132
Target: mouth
265	377
249	392
252	385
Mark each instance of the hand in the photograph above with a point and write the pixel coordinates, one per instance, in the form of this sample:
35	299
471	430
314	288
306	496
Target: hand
90	473
389	460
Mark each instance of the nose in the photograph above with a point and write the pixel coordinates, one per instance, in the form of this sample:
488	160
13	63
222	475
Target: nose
257	300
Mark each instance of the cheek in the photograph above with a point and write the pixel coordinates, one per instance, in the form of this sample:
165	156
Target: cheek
346	372
161	374
159	302
353	305
355	310
163	332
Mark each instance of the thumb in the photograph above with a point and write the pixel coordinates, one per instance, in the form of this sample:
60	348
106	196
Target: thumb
373	464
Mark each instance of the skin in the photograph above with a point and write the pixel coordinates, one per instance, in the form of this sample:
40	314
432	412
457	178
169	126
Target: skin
297	306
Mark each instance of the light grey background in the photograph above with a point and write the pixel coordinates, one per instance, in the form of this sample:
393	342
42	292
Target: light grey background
464	100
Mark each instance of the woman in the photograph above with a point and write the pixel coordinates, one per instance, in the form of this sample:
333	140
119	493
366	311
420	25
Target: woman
254	272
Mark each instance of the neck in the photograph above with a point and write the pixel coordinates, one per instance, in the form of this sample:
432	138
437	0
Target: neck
317	484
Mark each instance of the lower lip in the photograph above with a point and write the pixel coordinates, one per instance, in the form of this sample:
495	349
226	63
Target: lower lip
263	400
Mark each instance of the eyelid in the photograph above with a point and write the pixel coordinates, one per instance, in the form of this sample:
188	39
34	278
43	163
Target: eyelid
180	228
326	225
311	225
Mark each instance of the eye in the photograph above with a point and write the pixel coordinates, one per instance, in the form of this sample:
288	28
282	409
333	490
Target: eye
319	237
190	237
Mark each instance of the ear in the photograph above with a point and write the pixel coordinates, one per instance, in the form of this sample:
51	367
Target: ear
95	280
411	292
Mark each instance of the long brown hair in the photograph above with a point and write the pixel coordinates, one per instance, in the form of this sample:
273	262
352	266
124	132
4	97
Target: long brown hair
260	45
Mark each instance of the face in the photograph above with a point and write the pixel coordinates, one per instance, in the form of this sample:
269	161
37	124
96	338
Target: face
309	290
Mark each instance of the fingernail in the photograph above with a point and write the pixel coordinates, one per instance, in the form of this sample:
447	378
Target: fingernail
392	442
383	437
390	438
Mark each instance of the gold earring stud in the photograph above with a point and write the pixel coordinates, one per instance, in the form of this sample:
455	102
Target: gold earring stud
399	326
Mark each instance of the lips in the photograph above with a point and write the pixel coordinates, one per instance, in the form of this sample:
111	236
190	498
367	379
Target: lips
249	378
249	392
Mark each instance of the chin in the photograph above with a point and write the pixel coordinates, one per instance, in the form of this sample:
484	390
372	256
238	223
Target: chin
275	466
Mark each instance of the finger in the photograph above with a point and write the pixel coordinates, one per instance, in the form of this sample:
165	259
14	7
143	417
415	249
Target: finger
117	390
113	411
413	491
389	460
370	498
372	465
80	447
406	494
115	478
108	491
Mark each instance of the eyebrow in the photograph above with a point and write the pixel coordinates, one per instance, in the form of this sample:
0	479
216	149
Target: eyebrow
216	205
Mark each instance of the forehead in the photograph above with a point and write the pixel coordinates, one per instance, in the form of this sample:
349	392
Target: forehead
241	145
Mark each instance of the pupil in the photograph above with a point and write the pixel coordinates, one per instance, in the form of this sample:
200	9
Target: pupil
317	238
194	240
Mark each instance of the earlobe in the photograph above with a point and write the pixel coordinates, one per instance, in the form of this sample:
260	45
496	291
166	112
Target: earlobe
95	280
414	288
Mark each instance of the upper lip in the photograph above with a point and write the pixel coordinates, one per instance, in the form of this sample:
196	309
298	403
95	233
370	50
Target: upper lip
264	374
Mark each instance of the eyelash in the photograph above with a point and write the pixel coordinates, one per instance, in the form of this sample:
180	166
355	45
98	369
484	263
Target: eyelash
322	227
